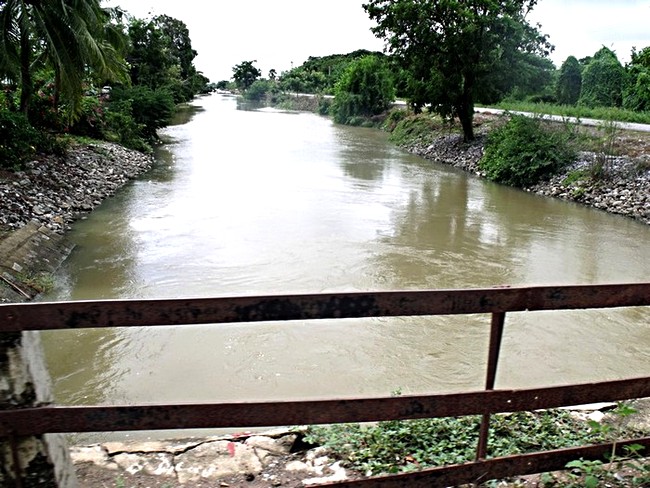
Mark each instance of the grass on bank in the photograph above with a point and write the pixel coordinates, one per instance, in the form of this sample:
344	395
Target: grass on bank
410	445
579	112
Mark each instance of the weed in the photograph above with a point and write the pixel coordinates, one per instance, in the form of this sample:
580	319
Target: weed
574	176
594	473
398	446
606	151
40	282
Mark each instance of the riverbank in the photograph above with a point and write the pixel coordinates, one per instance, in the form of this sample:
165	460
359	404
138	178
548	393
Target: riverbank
38	205
623	189
54	191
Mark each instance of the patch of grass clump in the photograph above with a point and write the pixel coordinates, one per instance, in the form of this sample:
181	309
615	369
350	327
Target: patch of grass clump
414	129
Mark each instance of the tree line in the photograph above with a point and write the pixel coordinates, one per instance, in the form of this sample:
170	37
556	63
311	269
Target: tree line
73	66
447	56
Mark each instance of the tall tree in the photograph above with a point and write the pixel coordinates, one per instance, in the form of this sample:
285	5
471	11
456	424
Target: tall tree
569	82
245	73
365	89
450	47
637	90
67	35
603	80
161	56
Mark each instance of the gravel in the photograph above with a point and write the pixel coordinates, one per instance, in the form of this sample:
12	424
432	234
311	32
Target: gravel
55	191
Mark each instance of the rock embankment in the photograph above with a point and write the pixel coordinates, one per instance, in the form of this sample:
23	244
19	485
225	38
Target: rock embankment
622	187
54	191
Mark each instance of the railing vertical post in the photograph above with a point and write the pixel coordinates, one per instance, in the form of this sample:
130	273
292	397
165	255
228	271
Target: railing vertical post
496	334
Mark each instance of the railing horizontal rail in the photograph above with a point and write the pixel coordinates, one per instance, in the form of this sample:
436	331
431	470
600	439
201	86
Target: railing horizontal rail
137	313
264	414
16	423
496	468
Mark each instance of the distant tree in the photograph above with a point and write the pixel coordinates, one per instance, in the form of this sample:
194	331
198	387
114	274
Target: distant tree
450	47
273	74
302	80
325	71
161	56
602	80
522	76
365	89
636	95
245	74
569	82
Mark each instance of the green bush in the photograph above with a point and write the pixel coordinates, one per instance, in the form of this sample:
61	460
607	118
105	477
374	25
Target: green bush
150	109
19	141
259	90
91	118
526	150
121	127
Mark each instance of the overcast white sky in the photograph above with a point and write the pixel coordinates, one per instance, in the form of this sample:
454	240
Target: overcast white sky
281	32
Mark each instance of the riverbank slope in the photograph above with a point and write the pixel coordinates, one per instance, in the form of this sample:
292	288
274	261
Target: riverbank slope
623	188
38	205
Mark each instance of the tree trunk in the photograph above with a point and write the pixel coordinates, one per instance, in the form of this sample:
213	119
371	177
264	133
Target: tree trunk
465	108
27	86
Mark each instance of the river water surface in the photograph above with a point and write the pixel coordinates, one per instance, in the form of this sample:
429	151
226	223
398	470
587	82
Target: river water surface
244	202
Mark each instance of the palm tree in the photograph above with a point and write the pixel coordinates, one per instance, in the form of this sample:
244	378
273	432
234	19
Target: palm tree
70	36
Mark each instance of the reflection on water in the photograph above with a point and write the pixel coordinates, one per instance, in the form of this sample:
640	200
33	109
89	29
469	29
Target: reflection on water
246	201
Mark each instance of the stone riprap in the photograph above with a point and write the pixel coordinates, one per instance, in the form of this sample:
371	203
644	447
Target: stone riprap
622	188
53	191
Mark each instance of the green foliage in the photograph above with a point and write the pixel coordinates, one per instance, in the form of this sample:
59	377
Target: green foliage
569	83
71	38
396	446
161	57
637	91
521	76
302	80
150	109
120	127
260	90
91	119
365	89
245	74
626	469
395	116
320	74
603	80
525	150
454	49
19	141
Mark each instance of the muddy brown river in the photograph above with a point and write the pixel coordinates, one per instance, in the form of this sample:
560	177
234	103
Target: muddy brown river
246	201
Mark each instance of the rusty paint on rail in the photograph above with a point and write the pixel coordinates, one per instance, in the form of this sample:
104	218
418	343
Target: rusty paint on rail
137	313
54	419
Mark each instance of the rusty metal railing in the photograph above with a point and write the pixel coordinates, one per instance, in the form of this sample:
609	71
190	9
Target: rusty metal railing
178	312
